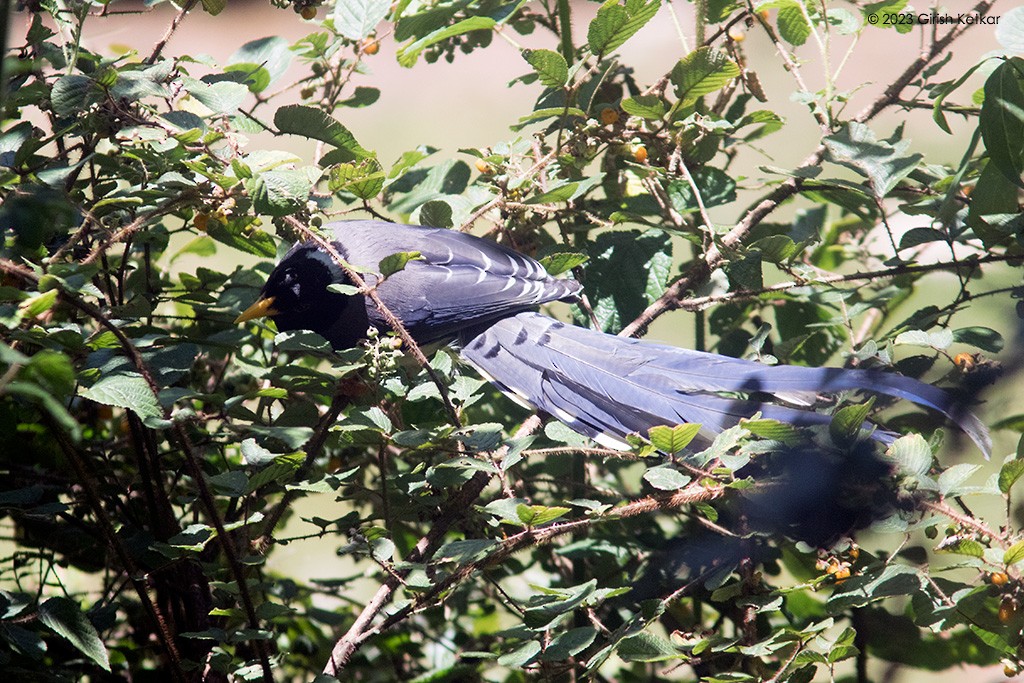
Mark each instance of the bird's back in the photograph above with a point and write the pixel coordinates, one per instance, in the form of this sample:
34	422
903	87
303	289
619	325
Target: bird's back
459	283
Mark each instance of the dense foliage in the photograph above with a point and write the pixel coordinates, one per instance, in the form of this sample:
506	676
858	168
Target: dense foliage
152	450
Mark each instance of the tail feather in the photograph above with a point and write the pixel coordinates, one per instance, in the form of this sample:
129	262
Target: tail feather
607	387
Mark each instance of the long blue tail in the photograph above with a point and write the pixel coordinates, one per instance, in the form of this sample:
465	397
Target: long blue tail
607	387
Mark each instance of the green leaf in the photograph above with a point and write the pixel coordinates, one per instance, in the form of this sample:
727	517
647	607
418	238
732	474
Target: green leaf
536	515
563	261
266	59
521	656
772	429
365	178
48	402
1014	554
222	97
437	213
700	73
627	271
279	193
65	618
666	478
937	114
551	68
984	338
848	421
912	454
408	54
952	479
73	94
38	304
214	7
646	647
649	107
961	546
715	186
994	196
615	24
243	237
793	25
313	123
547	113
1012	470
1002	119
393	263
125	391
883	162
569	644
940	339
357	19
672	440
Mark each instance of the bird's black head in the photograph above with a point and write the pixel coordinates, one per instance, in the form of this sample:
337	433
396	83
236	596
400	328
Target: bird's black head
296	297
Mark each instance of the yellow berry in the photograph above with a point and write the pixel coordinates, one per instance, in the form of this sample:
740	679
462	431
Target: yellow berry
737	34
308	12
484	167
609	116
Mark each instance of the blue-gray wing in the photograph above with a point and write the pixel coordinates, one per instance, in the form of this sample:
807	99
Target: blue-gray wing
461	281
607	387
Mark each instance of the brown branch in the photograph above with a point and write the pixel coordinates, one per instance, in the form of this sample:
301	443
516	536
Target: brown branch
695	493
702	302
163	208
186	8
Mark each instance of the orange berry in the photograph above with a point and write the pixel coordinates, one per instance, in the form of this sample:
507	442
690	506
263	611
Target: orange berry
964	361
737	34
484	167
999	578
1007	610
609	116
200	221
370	46
640	154
308	12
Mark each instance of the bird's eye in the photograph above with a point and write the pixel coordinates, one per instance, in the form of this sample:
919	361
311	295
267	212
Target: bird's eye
289	276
